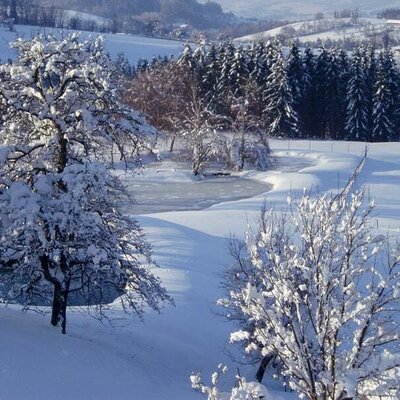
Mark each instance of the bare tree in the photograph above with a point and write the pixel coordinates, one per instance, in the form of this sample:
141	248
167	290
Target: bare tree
163	93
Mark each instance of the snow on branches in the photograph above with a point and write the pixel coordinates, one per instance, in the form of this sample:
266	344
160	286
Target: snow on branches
60	92
64	237
242	391
316	287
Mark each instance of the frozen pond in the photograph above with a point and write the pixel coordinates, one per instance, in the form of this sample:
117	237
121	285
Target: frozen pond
156	192
153	197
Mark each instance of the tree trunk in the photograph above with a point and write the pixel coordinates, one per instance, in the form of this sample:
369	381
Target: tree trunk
61	160
57	294
263	366
65	291
64	308
57	304
171	147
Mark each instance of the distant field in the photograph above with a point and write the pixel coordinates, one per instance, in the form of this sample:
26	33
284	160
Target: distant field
134	47
296	9
329	28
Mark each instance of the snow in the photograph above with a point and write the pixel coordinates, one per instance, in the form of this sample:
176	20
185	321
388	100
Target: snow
296	9
324	29
155	358
164	186
69	14
134	47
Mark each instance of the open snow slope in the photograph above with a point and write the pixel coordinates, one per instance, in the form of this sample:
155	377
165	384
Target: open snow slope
153	360
324	29
134	47
285	9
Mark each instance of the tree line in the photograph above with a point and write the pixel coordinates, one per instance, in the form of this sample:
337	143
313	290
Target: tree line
29	12
293	93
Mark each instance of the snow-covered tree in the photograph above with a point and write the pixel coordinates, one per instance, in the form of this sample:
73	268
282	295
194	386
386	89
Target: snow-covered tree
63	233
383	103
199	132
142	65
385	99
280	118
335	91
295	74
248	143
238	72
209	78
357	105
371	67
259	63
224	86
320	290
123	67
309	99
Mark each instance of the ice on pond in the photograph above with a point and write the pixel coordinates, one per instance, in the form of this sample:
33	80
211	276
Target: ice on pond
169	186
181	196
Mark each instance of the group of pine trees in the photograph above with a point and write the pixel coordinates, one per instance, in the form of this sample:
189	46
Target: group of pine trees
327	94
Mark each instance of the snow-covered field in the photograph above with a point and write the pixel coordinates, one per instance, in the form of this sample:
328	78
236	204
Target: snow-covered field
328	28
286	9
134	47
153	359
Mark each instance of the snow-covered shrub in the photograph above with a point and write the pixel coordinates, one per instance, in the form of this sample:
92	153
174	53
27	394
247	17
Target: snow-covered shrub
243	390
63	233
199	135
237	151
257	154
247	143
319	289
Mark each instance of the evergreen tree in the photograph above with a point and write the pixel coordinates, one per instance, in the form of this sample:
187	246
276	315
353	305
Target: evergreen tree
199	60
322	68
391	72
383	103
123	67
142	65
357	106
335	101
343	65
187	59
258	65
280	119
209	78
370	67
238	73
308	106
295	75
224	85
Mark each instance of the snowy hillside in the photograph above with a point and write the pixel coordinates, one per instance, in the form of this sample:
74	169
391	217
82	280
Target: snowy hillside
153	360
70	14
329	28
134	47
300	9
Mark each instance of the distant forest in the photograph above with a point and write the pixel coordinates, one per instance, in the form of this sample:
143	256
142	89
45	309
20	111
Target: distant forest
122	13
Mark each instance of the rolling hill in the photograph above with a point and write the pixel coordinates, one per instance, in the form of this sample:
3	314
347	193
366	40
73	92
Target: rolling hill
313	31
298	9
